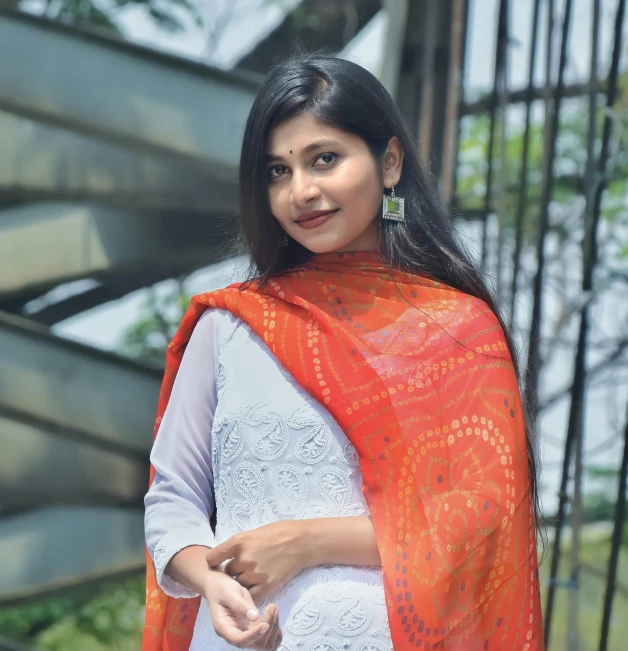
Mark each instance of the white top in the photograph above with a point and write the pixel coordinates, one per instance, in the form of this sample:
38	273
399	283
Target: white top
239	432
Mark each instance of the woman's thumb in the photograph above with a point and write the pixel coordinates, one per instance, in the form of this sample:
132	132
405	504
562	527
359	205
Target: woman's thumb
243	605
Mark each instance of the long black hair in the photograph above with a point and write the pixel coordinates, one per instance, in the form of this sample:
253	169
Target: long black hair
345	96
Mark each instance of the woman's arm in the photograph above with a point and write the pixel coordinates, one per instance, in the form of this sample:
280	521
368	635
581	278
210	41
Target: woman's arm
180	500
340	541
265	559
189	567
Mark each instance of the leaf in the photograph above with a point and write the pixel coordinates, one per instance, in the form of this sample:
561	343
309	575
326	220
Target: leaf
601	472
167	14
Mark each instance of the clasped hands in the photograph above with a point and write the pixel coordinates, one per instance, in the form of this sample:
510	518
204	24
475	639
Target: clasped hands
255	564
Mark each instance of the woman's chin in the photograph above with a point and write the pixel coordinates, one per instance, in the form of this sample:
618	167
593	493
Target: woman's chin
323	245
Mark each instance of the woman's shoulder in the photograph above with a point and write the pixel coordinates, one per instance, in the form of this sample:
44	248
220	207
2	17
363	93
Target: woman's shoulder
214	328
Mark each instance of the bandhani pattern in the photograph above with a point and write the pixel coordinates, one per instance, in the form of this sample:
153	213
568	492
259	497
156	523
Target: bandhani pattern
419	378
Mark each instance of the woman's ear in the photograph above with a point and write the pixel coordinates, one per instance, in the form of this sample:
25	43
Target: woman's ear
392	163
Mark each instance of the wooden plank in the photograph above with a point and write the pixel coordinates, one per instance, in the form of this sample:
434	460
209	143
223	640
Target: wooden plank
59	385
56	548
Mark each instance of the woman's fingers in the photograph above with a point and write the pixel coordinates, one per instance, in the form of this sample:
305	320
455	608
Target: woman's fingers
256	591
250	639
233	568
271	615
269	618
241	604
221	552
275	637
238	638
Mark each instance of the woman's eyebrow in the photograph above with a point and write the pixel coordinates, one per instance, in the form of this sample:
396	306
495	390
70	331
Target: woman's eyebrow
311	147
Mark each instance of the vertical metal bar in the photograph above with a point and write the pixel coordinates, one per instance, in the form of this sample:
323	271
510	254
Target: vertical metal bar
397	12
578	402
523	175
623	475
454	80
549	53
463	56
534	353
502	35
594	196
620	510
503	169
611	97
427	92
549	67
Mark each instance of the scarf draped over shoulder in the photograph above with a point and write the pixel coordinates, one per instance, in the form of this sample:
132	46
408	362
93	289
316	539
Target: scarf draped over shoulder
420	379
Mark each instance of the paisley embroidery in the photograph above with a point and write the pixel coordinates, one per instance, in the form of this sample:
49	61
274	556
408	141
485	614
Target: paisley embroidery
314	446
249	481
377	596
238	511
271	510
349	455
272	443
369	646
232	442
352	620
335	486
304	619
291	484
223	492
302	417
325	644
334	591
256	414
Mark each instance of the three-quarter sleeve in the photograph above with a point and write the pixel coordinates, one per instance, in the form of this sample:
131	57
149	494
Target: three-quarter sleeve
180	501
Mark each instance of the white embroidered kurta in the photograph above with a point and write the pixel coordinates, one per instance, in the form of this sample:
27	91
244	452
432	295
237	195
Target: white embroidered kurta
240	435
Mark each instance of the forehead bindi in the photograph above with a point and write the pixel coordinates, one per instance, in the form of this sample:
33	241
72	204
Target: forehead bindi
302	136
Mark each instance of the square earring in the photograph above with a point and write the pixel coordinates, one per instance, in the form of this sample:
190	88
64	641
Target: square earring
393	207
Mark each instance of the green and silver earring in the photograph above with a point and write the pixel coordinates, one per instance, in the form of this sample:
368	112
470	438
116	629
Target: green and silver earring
393	207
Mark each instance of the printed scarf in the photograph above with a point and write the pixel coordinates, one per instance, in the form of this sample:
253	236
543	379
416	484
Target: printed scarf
419	377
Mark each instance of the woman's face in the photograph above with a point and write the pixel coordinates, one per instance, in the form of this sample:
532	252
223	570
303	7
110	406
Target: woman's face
324	185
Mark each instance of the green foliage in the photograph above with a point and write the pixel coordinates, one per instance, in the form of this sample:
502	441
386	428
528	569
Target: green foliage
599	504
598	507
170	15
602	472
147	339
103	619
594	557
174	16
568	170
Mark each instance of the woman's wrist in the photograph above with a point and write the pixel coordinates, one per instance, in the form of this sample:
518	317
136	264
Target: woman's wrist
212	582
189	567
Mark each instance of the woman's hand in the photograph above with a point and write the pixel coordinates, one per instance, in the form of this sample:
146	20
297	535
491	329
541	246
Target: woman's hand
236	619
264	559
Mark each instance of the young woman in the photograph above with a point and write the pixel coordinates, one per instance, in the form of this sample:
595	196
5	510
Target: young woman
350	417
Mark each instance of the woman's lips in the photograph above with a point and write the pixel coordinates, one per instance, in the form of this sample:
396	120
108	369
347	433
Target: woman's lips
315	222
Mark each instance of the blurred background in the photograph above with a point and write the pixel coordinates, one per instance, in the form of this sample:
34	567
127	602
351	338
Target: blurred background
120	128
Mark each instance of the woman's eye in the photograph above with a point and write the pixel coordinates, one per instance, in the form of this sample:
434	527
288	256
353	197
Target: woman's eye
327	158
279	169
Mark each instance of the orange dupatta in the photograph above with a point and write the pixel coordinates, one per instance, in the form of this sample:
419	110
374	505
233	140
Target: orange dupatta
419	378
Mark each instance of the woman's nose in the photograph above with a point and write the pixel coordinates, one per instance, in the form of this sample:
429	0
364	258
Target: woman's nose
303	189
